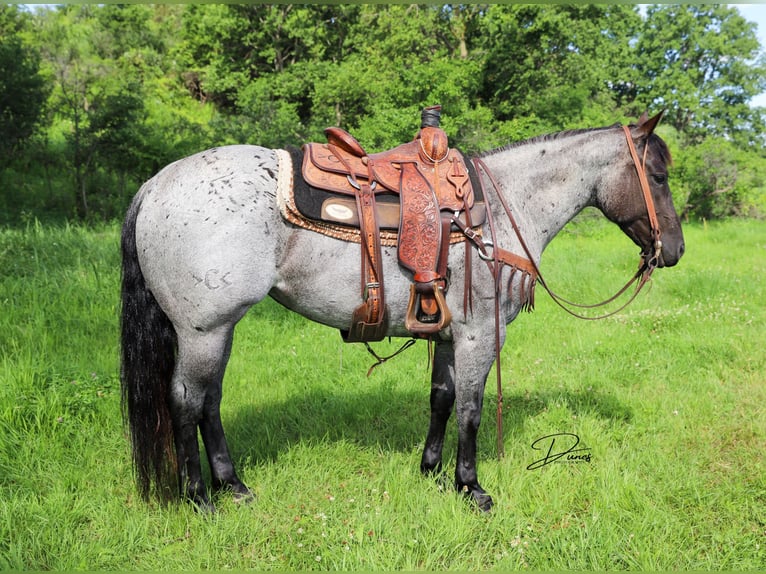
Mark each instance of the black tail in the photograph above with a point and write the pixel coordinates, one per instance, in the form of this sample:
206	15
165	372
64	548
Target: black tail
148	359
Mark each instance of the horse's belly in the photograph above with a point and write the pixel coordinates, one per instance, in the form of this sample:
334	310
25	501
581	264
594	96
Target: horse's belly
320	278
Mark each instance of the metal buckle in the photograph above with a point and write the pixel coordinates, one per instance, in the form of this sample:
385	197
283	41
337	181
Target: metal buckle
373	285
485	256
356	186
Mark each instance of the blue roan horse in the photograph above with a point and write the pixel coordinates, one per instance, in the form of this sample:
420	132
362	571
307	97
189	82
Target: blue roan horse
204	240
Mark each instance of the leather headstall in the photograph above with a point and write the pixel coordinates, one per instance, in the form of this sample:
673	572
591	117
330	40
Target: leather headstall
652	260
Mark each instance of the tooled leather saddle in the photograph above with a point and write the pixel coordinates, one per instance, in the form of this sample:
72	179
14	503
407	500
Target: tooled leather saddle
434	190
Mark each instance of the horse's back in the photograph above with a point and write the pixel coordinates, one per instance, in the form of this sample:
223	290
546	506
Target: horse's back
207	234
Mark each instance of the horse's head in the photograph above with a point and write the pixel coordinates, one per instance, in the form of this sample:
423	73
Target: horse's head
625	204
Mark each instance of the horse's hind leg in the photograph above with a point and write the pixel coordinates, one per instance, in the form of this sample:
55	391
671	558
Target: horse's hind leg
221	466
442	402
195	398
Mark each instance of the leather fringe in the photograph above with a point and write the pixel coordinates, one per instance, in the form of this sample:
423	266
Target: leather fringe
527	284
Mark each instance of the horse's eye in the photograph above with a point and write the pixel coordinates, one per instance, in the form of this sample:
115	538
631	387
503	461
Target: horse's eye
659	178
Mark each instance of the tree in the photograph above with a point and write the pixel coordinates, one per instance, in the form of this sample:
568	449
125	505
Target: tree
404	58
98	94
721	180
551	61
132	87
23	90
700	63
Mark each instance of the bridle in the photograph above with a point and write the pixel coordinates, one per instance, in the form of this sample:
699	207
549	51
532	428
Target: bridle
654	224
498	258
647	265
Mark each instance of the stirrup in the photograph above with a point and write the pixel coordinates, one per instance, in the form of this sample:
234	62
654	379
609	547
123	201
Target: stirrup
415	324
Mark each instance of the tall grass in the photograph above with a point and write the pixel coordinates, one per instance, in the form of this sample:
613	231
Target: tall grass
668	396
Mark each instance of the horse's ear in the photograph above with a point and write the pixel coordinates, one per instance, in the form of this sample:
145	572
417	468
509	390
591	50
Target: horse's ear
646	124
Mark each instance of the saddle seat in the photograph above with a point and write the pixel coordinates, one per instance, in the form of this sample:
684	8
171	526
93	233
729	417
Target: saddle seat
433	187
334	168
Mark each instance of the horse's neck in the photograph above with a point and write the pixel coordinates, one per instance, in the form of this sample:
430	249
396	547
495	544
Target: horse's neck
546	183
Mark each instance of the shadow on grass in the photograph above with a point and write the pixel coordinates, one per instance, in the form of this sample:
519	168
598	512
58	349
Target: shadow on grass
518	408
388	420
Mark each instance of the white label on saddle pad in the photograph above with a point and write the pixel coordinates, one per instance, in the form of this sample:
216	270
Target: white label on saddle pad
339	212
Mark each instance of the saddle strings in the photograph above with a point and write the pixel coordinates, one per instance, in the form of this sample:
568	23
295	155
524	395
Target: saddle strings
381	360
641	277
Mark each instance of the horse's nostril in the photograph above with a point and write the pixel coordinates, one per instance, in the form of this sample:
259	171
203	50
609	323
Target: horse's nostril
681	250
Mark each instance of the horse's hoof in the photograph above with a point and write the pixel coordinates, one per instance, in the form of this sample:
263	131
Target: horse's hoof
442	480
431	469
245	497
199	499
203	505
241	494
478	497
483	501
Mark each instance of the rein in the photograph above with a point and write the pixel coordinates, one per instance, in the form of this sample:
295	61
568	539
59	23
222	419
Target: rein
501	257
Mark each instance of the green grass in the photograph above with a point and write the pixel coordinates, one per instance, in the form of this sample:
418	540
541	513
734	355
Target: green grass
669	396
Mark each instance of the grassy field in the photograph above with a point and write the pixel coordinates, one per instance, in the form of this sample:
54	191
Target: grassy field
669	397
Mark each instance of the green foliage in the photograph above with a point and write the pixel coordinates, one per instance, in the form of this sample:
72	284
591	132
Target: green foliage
98	95
700	62
721	180
97	98
571	53
668	395
23	90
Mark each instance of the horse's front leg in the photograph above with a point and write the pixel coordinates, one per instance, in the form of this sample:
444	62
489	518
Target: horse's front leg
442	402
472	364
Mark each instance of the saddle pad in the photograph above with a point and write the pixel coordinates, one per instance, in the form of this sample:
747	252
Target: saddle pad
336	215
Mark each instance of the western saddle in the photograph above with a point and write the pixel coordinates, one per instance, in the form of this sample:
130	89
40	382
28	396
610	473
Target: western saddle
434	191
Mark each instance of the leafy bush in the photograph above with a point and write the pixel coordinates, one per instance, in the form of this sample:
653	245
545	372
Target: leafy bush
721	180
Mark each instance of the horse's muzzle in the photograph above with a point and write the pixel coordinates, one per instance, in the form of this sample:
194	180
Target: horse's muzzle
670	254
